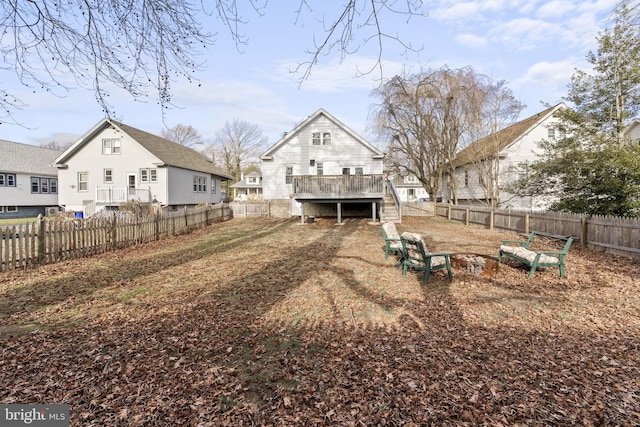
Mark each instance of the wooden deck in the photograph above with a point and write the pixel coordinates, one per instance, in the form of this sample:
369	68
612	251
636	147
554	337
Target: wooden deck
338	187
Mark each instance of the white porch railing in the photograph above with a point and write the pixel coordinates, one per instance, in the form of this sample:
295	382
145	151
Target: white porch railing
116	195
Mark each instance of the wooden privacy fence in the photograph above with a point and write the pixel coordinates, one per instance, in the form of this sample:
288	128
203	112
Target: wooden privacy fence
50	241
605	233
249	209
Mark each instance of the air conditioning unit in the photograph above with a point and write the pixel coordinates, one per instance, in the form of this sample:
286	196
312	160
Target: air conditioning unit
51	211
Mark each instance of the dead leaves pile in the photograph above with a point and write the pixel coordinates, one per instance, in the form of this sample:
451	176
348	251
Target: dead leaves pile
267	322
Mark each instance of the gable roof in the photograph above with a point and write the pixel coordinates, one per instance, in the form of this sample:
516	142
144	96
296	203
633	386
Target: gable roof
634	123
24	158
498	141
267	155
170	153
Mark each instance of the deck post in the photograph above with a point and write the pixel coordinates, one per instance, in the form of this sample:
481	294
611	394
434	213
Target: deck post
339	213
373	209
301	212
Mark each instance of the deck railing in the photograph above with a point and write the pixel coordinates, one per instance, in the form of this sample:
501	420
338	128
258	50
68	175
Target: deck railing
116	195
338	186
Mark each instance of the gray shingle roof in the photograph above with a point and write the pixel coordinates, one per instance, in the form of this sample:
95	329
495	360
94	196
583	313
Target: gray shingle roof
171	153
492	145
168	152
25	158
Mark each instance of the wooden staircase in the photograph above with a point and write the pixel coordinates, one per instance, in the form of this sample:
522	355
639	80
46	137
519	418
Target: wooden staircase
389	211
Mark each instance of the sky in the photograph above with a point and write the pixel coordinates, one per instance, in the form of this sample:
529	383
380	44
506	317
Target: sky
534	45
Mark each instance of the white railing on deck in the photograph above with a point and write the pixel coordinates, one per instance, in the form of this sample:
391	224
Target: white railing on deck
116	195
338	186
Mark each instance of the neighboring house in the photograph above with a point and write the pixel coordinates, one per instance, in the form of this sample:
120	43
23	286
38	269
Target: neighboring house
322	168
114	163
500	155
409	188
632	132
28	185
248	188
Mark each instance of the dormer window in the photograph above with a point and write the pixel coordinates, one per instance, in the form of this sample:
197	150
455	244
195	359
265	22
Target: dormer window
321	138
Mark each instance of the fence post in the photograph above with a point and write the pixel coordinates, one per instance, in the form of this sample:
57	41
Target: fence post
466	217
449	212
527	223
114	234
491	219
41	240
156	225
583	232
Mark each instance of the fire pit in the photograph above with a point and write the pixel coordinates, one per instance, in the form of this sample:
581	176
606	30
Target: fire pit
482	265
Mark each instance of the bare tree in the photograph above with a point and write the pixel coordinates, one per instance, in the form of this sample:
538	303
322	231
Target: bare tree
54	145
495	108
237	144
426	117
183	135
142	46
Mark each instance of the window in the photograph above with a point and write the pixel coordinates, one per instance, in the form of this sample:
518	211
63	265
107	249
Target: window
108	176
1	209
252	180
319	169
83	181
346	171
111	146
359	171
466	178
312	162
44	185
321	138
7	179
148	175
411	179
213	185
288	174
551	134
12	209
199	184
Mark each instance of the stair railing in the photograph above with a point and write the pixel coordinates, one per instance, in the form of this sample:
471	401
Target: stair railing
391	189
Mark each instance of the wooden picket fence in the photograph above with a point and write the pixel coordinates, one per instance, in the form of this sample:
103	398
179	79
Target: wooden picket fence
49	241
604	233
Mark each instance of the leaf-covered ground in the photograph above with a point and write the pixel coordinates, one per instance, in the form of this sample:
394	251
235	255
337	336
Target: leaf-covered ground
269	322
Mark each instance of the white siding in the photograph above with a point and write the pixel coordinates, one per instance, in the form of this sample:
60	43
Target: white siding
181	191
524	149
21	194
344	152
90	159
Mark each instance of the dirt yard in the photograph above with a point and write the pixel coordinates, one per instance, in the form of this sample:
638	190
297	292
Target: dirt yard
270	322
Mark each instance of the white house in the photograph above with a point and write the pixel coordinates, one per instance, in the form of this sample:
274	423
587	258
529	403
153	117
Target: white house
632	132
324	166
248	188
28	185
501	154
409	188
114	163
